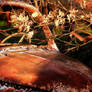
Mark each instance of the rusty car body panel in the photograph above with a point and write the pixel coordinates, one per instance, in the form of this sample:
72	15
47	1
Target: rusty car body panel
42	67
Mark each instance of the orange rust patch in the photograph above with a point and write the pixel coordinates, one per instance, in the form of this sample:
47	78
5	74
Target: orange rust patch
39	71
21	67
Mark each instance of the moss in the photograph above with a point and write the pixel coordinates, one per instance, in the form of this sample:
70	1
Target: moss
3	23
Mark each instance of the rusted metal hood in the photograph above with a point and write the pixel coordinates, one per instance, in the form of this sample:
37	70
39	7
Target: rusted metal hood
43	68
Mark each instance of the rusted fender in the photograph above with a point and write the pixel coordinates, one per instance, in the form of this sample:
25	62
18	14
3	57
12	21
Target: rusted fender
45	69
37	15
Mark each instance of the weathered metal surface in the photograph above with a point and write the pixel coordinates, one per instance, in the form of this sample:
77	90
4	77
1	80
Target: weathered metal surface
6	86
43	68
